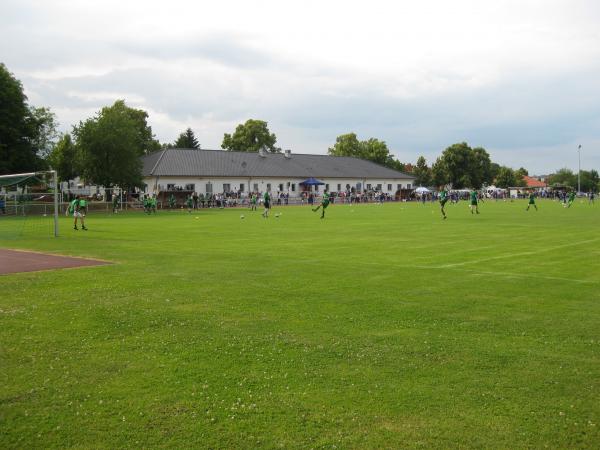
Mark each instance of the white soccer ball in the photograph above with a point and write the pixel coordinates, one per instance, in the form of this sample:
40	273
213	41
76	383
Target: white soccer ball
242	216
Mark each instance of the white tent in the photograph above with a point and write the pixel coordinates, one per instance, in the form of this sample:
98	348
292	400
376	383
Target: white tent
422	190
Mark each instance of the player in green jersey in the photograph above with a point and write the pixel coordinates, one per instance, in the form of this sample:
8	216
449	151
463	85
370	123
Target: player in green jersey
78	212
266	204
443	200
115	203
253	201
571	199
189	203
324	204
473	205
531	201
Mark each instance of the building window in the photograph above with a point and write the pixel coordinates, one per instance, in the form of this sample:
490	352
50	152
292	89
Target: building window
226	187
209	188
379	187
389	187
327	187
339	187
190	187
358	186
241	187
268	187
280	187
316	188
408	186
399	186
255	187
347	187
170	187
368	187
293	187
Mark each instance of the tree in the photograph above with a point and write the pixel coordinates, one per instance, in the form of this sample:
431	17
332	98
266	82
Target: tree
522	171
589	180
506	177
187	139
110	145
250	137
372	150
63	158
481	168
24	131
463	167
564	177
44	130
422	172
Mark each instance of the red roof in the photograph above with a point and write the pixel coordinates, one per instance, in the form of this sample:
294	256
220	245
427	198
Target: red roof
534	182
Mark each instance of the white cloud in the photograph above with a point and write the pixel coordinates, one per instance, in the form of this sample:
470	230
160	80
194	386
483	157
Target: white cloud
512	76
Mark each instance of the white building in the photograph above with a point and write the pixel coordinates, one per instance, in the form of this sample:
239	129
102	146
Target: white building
217	171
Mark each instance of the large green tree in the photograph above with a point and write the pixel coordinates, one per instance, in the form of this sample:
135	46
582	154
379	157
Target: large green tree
26	132
44	129
564	177
63	158
187	139
422	172
589	180
371	149
110	144
463	167
250	137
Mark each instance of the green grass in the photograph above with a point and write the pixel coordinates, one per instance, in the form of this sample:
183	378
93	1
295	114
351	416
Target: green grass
378	327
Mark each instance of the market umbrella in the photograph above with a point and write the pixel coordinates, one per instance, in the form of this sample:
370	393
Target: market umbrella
311	182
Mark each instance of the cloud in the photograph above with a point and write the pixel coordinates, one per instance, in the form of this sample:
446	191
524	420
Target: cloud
516	77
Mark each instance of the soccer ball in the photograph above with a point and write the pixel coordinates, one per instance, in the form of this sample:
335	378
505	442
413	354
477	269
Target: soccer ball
242	216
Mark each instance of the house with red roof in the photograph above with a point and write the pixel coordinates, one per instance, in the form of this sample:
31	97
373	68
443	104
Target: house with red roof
534	183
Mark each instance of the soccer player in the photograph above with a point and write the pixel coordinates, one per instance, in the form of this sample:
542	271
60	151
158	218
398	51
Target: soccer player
267	204
591	199
324	204
78	210
571	198
153	203
190	203
115	203
531	201
474	202
253	202
443	200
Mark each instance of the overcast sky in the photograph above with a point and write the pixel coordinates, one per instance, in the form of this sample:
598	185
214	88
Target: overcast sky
520	78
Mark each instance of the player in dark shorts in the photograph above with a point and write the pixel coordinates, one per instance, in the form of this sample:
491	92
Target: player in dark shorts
571	198
473	205
443	201
324	204
531	202
591	200
266	204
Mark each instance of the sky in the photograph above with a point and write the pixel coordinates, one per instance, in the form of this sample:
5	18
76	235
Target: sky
519	78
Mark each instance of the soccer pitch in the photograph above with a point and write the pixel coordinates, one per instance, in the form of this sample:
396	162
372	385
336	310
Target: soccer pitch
377	327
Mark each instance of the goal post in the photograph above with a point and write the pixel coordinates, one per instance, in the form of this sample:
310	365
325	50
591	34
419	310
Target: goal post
30	203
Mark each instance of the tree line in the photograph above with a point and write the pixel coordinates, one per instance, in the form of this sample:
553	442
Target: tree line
105	149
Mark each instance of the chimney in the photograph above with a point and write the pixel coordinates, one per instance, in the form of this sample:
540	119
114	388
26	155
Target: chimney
262	152
287	154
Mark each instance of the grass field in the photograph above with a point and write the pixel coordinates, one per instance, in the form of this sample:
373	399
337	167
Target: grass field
378	327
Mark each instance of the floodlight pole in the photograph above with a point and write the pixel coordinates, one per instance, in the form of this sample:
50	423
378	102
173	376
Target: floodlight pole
55	181
579	170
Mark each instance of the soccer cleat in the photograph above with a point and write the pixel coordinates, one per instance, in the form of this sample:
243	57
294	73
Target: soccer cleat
84	228
75	228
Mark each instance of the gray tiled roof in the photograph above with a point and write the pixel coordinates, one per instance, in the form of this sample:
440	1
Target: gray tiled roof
221	163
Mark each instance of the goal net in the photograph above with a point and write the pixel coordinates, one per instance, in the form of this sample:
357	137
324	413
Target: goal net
29	205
